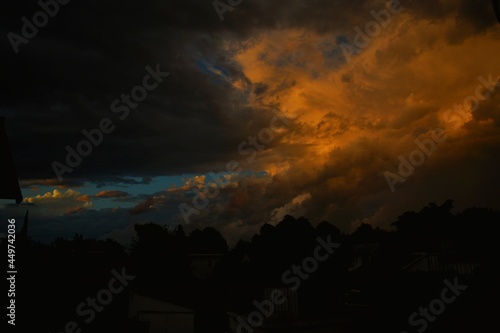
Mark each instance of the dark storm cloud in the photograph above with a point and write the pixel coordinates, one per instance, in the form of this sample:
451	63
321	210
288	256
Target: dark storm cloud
64	81
65	78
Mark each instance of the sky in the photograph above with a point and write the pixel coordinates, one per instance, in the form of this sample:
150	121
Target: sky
342	111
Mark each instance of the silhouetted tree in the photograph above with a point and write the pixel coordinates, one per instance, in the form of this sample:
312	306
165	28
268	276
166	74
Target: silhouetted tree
207	240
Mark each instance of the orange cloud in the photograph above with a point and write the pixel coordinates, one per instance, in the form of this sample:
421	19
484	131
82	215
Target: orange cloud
60	203
84	198
353	119
111	194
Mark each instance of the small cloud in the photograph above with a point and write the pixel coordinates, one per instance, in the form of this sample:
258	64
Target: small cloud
122	181
84	198
75	210
190	184
33	183
111	194
290	208
144	207
60	203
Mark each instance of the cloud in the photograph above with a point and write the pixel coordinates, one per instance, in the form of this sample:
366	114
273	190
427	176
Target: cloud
60	203
75	210
291	208
349	120
34	183
145	206
111	194
84	198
